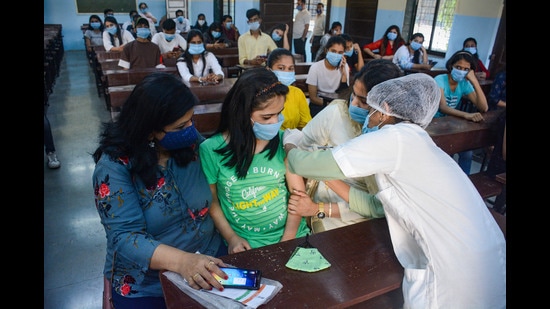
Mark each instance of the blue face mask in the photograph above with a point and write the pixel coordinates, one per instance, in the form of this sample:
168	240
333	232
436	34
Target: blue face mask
180	19
472	50
319	12
391	36
144	11
112	30
143	33
299	7
357	113
179	139
285	77
169	37
415	45
276	37
228	25
254	26
95	25
348	53
216	34
458	75
366	129
195	49
334	58
267	132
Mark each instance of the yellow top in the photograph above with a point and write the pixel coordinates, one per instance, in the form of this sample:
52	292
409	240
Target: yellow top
296	111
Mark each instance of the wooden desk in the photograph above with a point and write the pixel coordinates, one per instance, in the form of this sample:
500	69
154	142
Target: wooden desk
453	134
364	271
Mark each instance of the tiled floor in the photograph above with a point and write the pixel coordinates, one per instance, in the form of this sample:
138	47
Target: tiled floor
74	239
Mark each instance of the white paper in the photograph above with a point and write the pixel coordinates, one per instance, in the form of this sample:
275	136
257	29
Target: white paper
228	298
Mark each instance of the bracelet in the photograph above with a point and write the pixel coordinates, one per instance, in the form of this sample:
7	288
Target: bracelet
330	209
200	79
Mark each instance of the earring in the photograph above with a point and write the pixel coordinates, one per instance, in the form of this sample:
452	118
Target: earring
152	144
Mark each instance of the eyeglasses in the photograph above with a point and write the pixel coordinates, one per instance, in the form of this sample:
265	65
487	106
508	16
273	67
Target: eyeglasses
461	68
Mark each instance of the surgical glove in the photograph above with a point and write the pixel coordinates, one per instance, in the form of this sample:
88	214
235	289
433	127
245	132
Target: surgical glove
292	136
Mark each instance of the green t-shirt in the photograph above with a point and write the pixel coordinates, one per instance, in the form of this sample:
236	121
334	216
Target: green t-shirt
256	206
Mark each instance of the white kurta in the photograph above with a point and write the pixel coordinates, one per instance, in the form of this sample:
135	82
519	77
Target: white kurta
453	251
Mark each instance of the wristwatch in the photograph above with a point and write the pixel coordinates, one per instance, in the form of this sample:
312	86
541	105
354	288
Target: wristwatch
321	213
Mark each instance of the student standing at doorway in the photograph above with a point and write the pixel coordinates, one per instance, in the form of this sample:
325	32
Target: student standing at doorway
300	28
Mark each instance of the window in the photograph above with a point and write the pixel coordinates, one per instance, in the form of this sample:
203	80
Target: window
434	19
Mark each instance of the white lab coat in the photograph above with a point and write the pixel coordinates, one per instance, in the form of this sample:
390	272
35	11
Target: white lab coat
452	250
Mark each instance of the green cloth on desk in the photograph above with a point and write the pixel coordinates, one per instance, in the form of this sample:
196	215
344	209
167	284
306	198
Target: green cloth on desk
308	260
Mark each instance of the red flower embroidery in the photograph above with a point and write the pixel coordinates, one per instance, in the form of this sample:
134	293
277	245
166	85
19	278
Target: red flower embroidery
125	289
104	190
124	160
160	182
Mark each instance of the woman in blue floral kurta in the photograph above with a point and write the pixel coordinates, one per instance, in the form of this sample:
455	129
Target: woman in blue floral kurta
152	196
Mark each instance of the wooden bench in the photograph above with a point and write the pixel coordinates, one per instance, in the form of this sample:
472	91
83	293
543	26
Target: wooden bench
229	64
453	135
302	67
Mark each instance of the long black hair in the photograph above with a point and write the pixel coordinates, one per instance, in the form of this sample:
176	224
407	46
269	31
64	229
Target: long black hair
118	30
396	43
249	93
158	100
188	58
416	56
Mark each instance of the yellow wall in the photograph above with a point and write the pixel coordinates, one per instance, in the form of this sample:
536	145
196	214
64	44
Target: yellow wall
482	8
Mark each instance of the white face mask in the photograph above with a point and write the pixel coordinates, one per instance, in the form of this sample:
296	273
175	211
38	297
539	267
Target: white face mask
201	22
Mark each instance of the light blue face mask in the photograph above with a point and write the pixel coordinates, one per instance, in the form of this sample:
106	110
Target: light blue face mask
472	50
334	58
366	129
143	33
349	53
458	75
180	19
299	7
391	36
357	113
254	26
169	37
112	30
216	34
267	132
228	25
144	11
95	25
276	37
285	77
415	45
195	49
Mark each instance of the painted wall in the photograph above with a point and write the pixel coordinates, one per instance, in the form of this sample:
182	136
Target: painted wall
470	17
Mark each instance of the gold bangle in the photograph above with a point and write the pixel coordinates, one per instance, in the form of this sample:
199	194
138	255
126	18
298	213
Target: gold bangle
330	209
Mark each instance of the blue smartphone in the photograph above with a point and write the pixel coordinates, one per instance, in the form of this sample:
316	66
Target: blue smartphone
240	278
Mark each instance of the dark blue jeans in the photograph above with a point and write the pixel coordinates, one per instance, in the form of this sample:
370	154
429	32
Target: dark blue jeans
300	48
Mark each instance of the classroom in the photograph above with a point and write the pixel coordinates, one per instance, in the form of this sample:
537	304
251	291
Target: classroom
82	93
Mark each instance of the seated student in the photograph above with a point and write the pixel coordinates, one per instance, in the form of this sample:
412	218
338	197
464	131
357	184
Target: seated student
335	29
108	12
197	64
350	200
183	25
152	196
470	45
296	112
214	38
353	54
254	45
387	45
228	28
244	164
279	34
129	24
132	27
201	24
141	53
115	38
461	82
497	95
328	76
146	13
412	55
94	34
171	45
451	248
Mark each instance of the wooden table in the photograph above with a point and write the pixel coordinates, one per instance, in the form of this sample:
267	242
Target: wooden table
364	271
454	134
